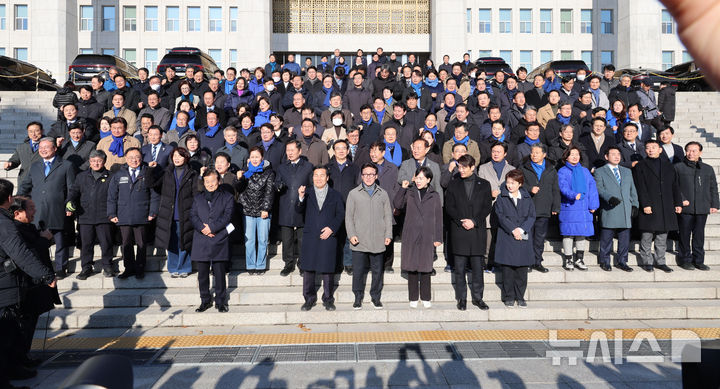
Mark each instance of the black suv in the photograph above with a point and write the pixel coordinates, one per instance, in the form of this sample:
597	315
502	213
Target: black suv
85	66
492	65
181	57
24	76
563	68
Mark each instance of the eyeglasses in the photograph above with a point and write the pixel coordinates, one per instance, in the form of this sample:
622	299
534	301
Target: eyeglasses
368	174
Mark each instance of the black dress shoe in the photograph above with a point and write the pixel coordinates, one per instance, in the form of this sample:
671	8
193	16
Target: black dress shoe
664	268
647	268
329	306
701	266
109	273
287	270
140	275
85	274
433	272
307	306
605	267
204	307
377	304
480	304
540	268
624	267
20	373
223	308
60	274
462	305
357	305
687	266
348	270
126	274
389	270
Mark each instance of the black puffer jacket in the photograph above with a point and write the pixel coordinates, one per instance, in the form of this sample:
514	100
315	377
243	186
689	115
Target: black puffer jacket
257	193
698	186
88	196
173	195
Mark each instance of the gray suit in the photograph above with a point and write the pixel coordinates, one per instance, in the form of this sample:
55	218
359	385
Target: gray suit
615	219
407	172
23	157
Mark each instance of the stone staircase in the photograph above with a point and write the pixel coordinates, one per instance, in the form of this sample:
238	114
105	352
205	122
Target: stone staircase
162	301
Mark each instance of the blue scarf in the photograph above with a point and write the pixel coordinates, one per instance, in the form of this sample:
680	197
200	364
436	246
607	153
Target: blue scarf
432	130
539	169
246	132
252	169
531	142
380	115
450	111
431	83
510	93
230	145
116	111
328	91
74	143
273	65
104	134
562	119
596	93
396	156
389	101
116	147
464	140
211	131
417	87
500	139
579	185
267	145
182	130
453	92
498	166
367	123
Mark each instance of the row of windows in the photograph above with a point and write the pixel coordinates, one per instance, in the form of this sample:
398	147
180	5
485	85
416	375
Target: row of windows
525	18
20	53
172	20
21	17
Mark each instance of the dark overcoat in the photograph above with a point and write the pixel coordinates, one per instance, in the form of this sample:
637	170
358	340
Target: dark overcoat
89	197
319	255
477	208
288	179
547	199
79	155
49	193
130	202
217	214
509	251
173	194
423	227
38	297
660	192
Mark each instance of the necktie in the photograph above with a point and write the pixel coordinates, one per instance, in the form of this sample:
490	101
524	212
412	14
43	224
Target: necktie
154	152
133	175
633	146
34	146
617	175
47	168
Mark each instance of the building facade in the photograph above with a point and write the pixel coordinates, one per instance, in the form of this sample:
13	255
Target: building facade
242	33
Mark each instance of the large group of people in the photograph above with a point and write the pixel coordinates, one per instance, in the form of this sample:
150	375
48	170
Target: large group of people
338	162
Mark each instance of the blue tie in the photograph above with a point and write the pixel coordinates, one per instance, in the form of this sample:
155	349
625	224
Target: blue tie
617	175
47	168
34	146
133	175
154	152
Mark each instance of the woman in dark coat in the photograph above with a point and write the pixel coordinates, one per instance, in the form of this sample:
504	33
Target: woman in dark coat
241	95
434	153
39	298
515	211
210	215
422	233
319	251
177	186
199	158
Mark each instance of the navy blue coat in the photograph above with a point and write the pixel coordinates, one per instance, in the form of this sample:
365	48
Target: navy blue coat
163	154
49	193
217	214
509	251
274	154
211	144
319	255
89	197
288	179
131	203
343	181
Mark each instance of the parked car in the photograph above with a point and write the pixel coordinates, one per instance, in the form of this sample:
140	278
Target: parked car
491	65
685	77
181	57
16	75
85	66
563	68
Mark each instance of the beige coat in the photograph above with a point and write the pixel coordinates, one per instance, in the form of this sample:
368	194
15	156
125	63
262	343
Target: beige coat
473	150
545	114
329	136
104	145
126	114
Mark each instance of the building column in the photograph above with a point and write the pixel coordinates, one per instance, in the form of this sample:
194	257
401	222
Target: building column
447	29
54	44
257	29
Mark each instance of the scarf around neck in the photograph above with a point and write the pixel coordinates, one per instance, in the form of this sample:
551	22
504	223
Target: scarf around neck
252	169
538	168
579	185
396	156
116	147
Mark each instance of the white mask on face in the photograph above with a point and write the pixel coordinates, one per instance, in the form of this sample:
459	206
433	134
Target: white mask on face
270	87
155	87
472	74
337	122
581	77
276	79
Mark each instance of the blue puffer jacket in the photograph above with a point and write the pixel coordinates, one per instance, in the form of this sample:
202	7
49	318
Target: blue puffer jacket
575	216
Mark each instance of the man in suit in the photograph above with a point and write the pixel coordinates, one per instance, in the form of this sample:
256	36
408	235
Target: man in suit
618	203
26	153
237	152
344	176
131	205
161	115
369	128
420	148
48	183
208	104
673	152
631	148
77	149
156	153
596	143
645	131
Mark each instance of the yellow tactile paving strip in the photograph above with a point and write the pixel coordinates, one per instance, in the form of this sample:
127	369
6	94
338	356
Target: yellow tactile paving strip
156	342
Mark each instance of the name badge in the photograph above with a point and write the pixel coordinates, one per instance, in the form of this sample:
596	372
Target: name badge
124	180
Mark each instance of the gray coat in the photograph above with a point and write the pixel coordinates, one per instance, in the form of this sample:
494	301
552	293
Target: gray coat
23	157
407	172
423	226
487	173
369	218
607	186
49	193
161	116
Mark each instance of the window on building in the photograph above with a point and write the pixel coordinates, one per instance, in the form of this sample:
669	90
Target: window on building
468	20
668	59
2	51
507	56
172	19
485	21
546	56
587	57
86	18
151	59
667	22
86	51
526	21
130	55
546	21
3	21
21	18
606	22
130	18
215	19
566	55
216	55
193	18
469	52
233	19
586	21
505	21
108	18
686	56
526	59
108	51
151	18
607	58
484	53
233	57
21	53
566	21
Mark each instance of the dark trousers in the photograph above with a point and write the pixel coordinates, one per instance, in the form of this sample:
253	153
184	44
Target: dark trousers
514	283
477	278
309	291
418	284
219	271
88	233
539	232
492	240
61	249
692	251
133	236
606	240
10	330
361	263
28	324
389	255
291	244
